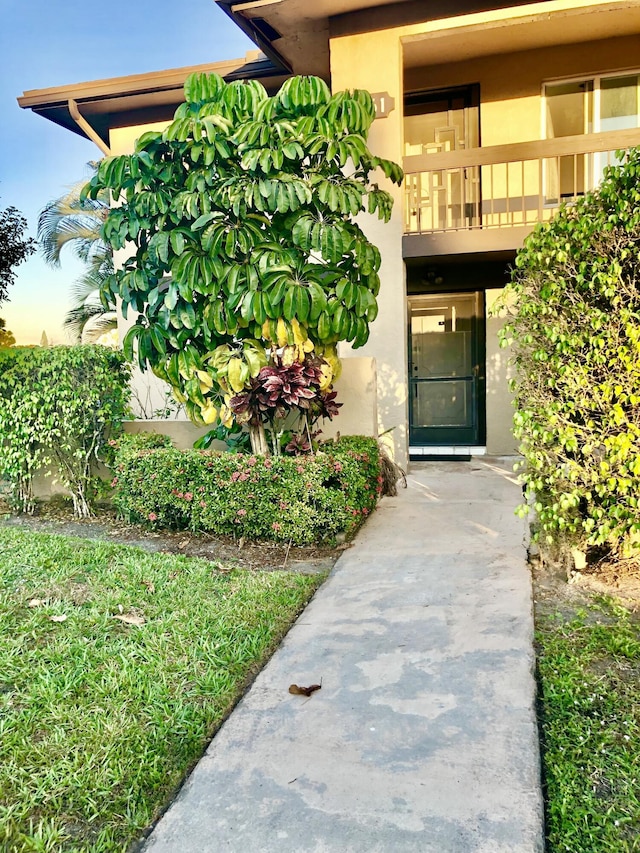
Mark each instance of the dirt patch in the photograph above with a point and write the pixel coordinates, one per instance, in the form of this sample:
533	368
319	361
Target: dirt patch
57	518
558	588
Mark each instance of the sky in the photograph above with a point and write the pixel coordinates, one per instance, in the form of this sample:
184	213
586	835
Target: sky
43	44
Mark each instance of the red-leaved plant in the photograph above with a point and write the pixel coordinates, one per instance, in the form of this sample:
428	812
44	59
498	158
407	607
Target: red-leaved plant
281	389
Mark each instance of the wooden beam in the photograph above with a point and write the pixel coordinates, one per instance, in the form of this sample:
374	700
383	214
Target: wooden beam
84	125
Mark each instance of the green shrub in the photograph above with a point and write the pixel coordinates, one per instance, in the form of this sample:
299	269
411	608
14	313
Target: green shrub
59	406
576	336
301	499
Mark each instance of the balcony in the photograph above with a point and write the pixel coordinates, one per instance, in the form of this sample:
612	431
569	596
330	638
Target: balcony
497	194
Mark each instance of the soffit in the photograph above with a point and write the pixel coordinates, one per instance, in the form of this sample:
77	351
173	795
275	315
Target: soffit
296	33
528	32
139	98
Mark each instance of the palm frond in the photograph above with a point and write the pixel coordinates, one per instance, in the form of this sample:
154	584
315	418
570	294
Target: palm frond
87	322
75	221
87	287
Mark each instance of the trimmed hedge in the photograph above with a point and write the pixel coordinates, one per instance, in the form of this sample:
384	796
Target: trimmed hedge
575	328
302	499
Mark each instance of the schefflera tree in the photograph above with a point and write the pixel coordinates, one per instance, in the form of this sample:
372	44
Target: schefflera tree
247	267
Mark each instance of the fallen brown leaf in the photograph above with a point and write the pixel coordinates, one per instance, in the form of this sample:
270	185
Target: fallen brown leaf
37	602
60	618
149	585
304	691
130	618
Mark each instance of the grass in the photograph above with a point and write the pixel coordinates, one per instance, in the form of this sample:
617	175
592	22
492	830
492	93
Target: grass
101	717
589	670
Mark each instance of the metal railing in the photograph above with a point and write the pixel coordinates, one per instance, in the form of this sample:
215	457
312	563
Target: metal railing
505	186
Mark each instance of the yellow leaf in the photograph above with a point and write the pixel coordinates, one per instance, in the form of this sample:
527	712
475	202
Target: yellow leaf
283	333
326	376
299	333
226	416
289	355
205	379
234	374
209	413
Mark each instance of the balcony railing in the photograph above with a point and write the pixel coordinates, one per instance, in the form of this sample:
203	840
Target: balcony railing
505	186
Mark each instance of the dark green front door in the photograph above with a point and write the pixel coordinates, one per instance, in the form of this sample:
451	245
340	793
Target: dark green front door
446	367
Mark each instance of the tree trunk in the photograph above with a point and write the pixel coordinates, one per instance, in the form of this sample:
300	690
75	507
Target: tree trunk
258	440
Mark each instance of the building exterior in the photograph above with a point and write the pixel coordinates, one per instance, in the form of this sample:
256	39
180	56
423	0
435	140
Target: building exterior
498	112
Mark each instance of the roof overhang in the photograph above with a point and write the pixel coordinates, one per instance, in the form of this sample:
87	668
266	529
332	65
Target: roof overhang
522	29
139	98
295	33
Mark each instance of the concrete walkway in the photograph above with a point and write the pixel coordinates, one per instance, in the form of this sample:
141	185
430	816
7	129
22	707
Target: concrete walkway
423	736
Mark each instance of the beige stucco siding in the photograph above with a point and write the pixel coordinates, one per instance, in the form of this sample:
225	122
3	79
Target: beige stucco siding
511	84
466	50
352	67
122	140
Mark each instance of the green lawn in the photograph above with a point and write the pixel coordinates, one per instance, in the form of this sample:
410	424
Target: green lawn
101	716
589	671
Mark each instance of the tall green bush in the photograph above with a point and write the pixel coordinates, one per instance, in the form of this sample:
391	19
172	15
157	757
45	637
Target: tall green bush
575	330
58	408
245	266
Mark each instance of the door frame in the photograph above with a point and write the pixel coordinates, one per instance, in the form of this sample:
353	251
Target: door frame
442	436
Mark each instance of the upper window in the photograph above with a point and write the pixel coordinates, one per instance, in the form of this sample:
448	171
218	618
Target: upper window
595	105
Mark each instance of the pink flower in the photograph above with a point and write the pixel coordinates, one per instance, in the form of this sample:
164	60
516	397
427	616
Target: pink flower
276	526
203	504
242	512
152	516
188	496
299	469
365	511
283	505
153	476
252	460
114	482
267	463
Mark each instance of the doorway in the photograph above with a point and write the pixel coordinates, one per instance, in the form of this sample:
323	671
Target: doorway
446	369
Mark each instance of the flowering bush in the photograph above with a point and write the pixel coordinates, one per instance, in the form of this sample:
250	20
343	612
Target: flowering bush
303	499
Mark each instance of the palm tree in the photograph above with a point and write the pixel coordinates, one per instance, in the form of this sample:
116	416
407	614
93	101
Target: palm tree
71	221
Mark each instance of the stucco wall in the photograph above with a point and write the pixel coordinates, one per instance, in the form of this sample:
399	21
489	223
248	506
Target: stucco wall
374	63
510	110
500	440
511	84
356	389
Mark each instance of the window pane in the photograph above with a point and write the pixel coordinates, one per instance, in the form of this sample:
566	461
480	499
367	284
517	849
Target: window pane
619	103
569	107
